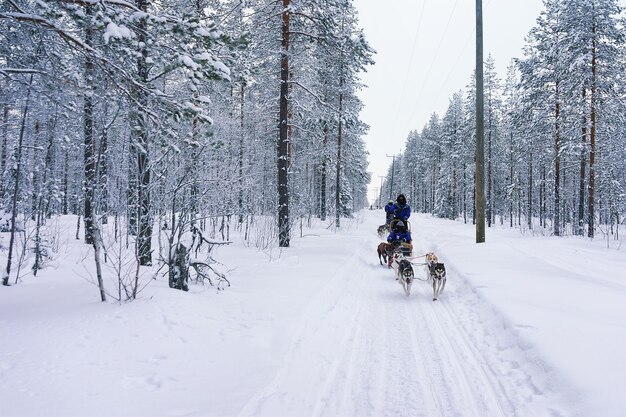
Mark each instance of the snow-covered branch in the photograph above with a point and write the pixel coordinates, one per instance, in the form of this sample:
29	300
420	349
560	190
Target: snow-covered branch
317	97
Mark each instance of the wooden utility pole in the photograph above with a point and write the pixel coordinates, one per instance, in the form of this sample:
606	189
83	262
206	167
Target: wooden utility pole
480	146
393	168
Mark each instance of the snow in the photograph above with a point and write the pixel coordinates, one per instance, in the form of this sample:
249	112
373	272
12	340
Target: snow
217	65
527	326
200	31
220	67
117	31
138	15
204	56
204	99
190	106
187	61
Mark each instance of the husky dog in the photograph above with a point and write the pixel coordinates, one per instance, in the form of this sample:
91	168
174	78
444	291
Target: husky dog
404	274
382	230
431	258
384	251
437	276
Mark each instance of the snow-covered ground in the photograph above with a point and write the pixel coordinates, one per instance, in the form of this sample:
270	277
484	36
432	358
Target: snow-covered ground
527	326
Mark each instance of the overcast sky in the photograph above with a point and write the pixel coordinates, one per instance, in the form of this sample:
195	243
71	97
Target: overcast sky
426	52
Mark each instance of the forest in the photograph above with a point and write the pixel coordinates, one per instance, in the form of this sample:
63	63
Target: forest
162	125
554	133
186	230
188	117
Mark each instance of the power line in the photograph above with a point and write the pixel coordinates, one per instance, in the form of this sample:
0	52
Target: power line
432	62
456	61
458	57
408	70
453	67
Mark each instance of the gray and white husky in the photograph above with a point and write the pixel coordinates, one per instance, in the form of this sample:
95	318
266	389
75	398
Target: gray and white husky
437	277
404	274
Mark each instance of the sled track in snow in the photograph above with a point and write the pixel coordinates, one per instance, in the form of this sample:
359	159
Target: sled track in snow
362	348
503	374
327	326
455	368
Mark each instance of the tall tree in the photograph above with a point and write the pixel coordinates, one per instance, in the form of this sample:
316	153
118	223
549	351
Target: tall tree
284	234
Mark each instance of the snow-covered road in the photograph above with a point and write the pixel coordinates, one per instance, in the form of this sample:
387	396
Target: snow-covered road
528	326
363	348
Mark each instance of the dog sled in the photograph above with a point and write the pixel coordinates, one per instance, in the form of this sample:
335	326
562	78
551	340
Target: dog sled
406	249
403	265
399	256
395	221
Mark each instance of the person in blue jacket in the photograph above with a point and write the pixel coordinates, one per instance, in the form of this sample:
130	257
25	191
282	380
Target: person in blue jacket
389	212
401	210
399	235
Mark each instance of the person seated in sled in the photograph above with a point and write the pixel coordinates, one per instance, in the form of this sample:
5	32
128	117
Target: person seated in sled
389	212
401	210
400	238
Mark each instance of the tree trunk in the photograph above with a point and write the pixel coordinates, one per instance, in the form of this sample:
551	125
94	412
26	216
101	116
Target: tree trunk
412	189
557	164
131	194
103	177
39	212
323	177
283	139
16	188
144	233
88	135
454	211
519	207
66	168
50	168
3	148
592	140
529	207
242	133
464	193
543	197
338	207
489	173
511	182
97	248
583	166
35	167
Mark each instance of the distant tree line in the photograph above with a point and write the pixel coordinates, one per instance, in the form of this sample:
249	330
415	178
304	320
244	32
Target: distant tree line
555	132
